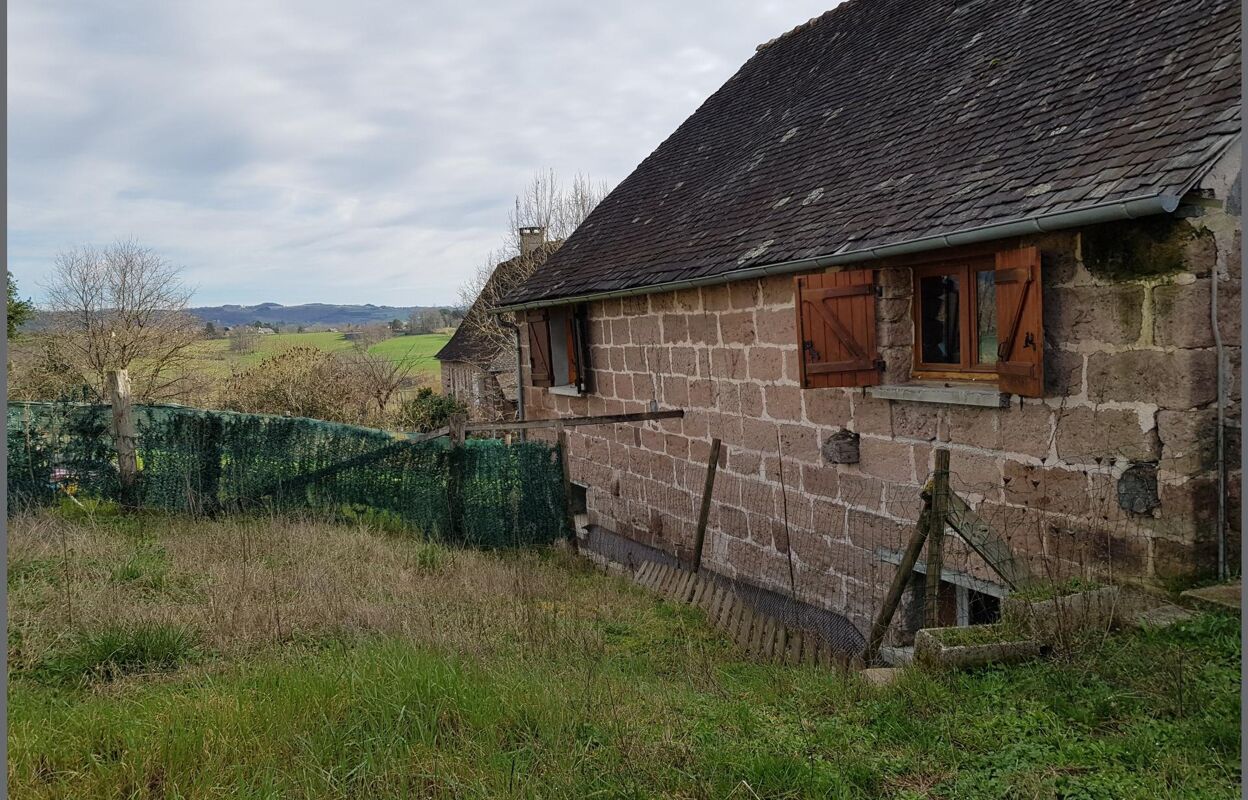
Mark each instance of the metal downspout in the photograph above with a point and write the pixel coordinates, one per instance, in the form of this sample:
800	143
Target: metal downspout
1221	462
519	384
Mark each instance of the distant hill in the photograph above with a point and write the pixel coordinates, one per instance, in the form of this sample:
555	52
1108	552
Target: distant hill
306	314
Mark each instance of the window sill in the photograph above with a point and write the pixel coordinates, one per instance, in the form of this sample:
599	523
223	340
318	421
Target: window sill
567	390
946	393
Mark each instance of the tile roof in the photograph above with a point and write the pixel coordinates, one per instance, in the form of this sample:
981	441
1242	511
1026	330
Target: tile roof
884	121
468	343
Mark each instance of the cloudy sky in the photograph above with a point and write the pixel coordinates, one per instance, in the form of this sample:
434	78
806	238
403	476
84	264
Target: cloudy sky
352	152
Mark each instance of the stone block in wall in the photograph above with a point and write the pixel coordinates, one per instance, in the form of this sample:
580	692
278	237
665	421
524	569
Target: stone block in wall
903	500
1026	429
1188	510
974	427
1181	314
675	328
800	443
716	298
1183	561
894	321
743	462
1098	435
765	364
675	391
822	481
872	415
743	294
860	491
729	364
1063	372
684	361
1109	314
644	330
778	290
737	328
922	421
776	326
792	366
898	364
1106	549
1177	379
974	473
886	459
821	553
783	403
1058	491
872	532
703	328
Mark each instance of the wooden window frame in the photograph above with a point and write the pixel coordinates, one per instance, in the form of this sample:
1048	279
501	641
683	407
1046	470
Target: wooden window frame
574	323
968	312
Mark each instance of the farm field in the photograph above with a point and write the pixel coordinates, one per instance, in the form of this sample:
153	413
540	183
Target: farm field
214	358
158	656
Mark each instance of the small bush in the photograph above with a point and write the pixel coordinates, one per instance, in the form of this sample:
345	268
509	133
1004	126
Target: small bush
87	508
120	650
146	569
428	411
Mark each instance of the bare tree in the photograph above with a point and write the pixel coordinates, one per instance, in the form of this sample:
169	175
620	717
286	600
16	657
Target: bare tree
426	320
122	307
243	339
544	203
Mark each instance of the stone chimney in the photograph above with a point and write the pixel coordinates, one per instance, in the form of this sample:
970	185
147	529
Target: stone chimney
531	238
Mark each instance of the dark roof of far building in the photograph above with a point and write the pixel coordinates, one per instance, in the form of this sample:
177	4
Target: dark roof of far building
468	343
889	121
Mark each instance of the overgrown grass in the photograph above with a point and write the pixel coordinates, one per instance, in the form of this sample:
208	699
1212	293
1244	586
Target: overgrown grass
307	660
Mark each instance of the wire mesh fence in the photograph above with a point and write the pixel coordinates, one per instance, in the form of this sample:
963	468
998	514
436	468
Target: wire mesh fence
483	493
818	545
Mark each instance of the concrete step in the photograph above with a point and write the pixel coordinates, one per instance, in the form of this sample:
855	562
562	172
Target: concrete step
1223	597
1162	616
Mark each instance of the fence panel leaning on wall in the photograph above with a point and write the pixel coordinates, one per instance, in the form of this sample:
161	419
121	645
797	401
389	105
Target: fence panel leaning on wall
210	462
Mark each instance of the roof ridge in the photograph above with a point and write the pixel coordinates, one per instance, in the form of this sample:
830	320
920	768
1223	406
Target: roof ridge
810	23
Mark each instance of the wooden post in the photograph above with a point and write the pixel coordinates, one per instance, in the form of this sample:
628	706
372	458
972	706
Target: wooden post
712	465
566	469
898	587
455	476
124	434
935	536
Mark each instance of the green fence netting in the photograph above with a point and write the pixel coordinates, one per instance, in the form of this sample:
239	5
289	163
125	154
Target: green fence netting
484	493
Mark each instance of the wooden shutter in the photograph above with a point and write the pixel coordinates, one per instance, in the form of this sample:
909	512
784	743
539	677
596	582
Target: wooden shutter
1020	322
538	323
836	329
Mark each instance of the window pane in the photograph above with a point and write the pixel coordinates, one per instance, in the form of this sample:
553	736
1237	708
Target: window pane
938	305
986	324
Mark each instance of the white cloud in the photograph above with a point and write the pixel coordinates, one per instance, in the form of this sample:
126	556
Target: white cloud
322	151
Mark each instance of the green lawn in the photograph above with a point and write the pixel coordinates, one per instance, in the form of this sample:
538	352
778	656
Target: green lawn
159	657
213	356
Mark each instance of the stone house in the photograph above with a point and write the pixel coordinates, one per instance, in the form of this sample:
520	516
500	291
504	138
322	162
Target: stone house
1004	229
478	363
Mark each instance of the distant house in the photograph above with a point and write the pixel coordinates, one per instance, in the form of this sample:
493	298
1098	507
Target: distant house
478	364
1009	229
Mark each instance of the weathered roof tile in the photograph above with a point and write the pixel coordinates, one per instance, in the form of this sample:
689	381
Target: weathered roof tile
885	120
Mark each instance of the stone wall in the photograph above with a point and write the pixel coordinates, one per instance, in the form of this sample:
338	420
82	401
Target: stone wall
476	388
1130	371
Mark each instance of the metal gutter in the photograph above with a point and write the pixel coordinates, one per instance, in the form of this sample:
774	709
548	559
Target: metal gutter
1043	223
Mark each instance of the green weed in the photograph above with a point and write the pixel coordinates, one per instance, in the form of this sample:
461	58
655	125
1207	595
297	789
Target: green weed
115	651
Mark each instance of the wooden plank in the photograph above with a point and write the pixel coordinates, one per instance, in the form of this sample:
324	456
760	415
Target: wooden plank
985	541
935	538
898	587
572	422
769	639
640	575
794	652
690	585
782	642
810	647
742	634
699	589
717	599
729	609
756	635
699	539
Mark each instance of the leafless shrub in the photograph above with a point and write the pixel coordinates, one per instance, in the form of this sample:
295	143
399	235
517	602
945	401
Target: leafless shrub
301	382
